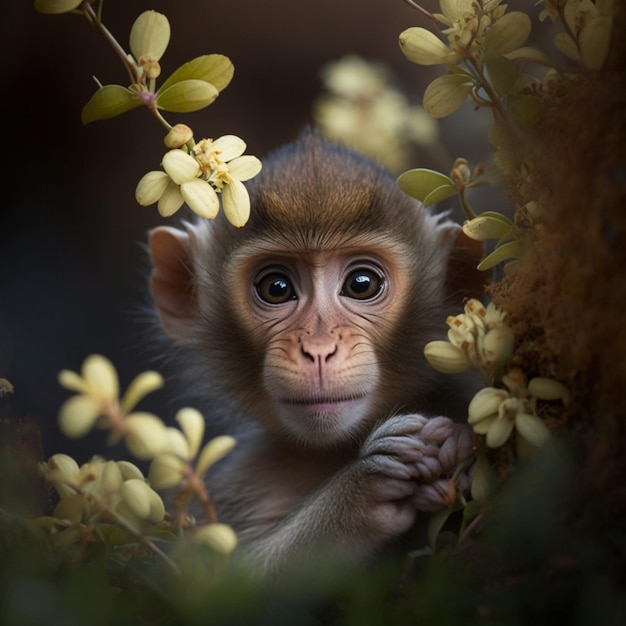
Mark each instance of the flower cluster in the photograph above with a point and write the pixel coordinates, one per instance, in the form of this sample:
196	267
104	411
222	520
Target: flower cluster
477	338
119	490
589	25
99	489
477	31
196	175
496	412
361	108
193	173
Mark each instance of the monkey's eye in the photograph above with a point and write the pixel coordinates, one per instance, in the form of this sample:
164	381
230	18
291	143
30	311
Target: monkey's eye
275	288
363	283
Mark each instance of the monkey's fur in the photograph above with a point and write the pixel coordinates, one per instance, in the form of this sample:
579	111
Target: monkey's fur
305	329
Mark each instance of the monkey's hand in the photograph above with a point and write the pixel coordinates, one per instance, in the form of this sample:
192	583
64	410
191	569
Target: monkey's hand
409	460
403	465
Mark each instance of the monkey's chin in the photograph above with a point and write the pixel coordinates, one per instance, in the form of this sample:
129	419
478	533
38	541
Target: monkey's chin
322	423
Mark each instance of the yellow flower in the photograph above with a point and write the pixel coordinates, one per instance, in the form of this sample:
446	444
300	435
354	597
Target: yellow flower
170	467
495	413
102	487
219	537
97	402
195	178
477	338
224	165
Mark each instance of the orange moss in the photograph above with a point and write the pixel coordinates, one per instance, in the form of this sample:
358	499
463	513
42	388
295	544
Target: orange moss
569	306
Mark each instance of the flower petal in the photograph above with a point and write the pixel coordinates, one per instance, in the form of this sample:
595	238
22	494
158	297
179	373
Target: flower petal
78	415
151	187
532	428
244	167
201	198
236	202
229	147
213	451
485	404
72	381
171	200
101	376
180	166
192	423
146	435
141	386
499	432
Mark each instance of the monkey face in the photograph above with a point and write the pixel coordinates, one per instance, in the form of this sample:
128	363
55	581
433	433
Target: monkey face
317	318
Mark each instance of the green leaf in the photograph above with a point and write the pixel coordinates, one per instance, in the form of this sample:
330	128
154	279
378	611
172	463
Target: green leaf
186	96
435	524
512	249
438	194
507	33
533	55
56	6
211	68
503	74
420	183
150	35
446	94
109	101
488	225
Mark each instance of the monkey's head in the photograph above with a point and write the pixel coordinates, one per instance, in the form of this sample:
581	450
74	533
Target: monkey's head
312	317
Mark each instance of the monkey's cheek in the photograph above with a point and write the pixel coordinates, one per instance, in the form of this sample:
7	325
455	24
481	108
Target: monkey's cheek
324	422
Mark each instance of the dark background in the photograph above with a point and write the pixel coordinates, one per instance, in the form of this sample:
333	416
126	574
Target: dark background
72	264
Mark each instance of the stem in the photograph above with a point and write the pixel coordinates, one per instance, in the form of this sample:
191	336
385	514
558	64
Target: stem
422	10
146	542
466	205
96	21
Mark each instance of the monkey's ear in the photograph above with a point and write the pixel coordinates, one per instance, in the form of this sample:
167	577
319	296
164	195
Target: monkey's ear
171	280
463	280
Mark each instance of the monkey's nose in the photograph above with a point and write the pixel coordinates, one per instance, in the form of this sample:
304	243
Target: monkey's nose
318	350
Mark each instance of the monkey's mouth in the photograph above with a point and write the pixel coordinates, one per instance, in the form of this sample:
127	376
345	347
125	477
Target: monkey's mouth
319	414
321	401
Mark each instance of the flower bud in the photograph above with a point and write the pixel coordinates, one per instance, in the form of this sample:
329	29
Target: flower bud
150	66
485	404
178	136
219	537
548	389
497	346
446	358
136	494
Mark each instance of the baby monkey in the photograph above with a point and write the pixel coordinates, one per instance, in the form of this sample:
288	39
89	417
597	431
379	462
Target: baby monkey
305	331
